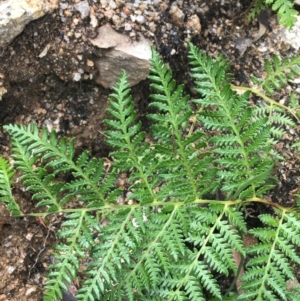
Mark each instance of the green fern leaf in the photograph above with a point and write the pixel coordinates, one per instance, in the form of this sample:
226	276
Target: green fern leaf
237	147
267	273
278	70
6	197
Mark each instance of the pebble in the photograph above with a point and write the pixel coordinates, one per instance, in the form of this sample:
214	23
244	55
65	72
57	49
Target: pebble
75	21
84	8
127	27
78	35
94	21
103	3
126	10
123	15
177	15
117	21
262	48
292	131
68	13
90	63
76	76
119	3
10	269
109	14
140	19
59	107
112	5
30	291
194	25
63	6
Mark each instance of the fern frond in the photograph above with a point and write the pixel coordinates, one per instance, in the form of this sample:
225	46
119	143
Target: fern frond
239	137
173	117
89	185
165	269
133	152
270	268
29	147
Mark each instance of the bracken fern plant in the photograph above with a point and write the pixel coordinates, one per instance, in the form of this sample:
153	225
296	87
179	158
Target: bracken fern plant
175	232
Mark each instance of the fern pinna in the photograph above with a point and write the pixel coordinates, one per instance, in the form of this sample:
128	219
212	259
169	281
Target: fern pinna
174	233
238	137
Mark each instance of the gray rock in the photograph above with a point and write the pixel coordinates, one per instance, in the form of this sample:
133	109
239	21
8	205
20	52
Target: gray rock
15	14
290	37
119	52
84	8
241	44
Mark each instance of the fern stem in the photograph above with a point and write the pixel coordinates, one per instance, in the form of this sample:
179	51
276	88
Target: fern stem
112	208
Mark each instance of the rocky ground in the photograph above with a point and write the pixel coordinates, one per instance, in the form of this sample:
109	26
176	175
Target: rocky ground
50	76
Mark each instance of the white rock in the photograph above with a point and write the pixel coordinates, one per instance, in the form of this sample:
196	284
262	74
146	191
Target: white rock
140	19
84	8
119	52
63	6
30	291
127	27
16	14
262	48
77	77
45	51
290	37
112	4
10	269
94	21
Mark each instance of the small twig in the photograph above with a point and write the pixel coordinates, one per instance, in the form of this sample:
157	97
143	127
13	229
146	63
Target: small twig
40	252
43	248
103	134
